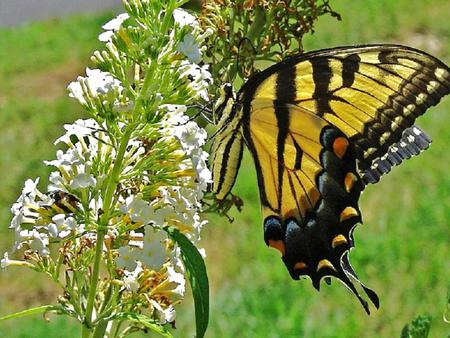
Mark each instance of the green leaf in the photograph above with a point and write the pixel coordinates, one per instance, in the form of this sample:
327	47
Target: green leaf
446	315
32	311
142	319
418	328
196	271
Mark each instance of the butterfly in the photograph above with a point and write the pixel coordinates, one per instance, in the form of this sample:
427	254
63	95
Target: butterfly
321	126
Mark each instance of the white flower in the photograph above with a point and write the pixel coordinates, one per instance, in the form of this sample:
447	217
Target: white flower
127	258
17	220
175	109
80	128
62	226
177	281
5	262
71	157
101	83
175	116
112	26
208	32
25	209
189	47
138	209
154	253
40	245
82	181
199	79
72	224
183	18
199	162
136	239
141	211
166	195
97	83
35	240
130	279
76	92
56	182
165	315
190	135
30	187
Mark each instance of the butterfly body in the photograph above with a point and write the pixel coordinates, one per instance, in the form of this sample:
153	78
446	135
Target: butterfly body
320	126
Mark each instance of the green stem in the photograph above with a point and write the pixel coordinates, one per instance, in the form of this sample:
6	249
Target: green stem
101	231
257	26
101	328
167	17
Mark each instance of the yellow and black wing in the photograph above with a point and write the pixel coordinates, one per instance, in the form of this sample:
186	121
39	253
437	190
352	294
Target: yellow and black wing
316	124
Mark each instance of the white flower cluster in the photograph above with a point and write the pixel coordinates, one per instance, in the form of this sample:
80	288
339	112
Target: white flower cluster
177	205
96	85
75	165
26	216
142	207
40	218
199	76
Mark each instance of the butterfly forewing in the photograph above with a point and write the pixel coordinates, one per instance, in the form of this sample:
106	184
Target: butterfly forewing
290	167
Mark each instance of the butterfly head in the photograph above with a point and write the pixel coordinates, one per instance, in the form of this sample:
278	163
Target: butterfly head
226	101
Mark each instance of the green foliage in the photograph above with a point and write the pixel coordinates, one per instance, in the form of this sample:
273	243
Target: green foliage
32	311
196	271
249	31
418	328
142	320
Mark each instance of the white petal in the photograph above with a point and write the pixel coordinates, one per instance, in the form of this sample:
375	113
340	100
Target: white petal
117	22
183	18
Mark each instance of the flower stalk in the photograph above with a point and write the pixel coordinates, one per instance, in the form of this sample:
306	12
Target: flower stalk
125	180
102	230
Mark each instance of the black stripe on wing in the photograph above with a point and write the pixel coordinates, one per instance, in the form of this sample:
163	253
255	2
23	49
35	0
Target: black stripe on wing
285	91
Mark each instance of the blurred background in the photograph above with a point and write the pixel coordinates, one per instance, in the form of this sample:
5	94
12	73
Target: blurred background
402	250
22	11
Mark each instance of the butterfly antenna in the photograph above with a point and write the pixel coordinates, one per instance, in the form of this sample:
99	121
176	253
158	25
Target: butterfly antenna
212	136
202	110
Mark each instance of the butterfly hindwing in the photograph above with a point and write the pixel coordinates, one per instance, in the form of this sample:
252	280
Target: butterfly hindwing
309	190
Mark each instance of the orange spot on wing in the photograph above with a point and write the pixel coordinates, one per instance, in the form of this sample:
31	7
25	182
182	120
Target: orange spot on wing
300	266
325	263
338	240
347	213
349	181
279	245
340	146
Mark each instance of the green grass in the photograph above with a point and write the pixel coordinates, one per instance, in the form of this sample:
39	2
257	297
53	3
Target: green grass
401	250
